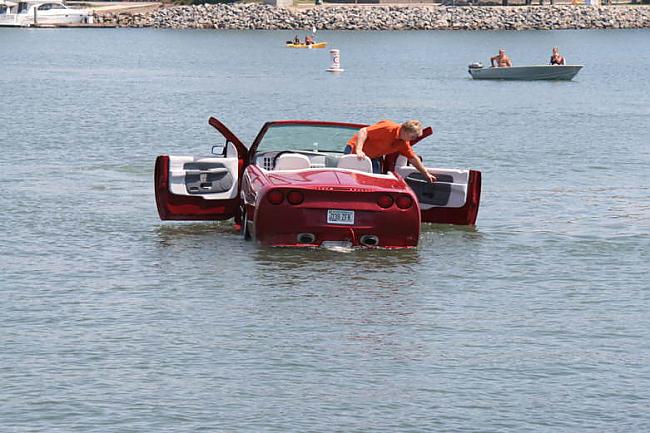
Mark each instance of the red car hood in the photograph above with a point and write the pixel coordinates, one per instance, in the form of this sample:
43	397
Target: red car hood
336	179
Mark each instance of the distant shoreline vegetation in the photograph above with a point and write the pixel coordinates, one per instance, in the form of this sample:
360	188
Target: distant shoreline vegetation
243	16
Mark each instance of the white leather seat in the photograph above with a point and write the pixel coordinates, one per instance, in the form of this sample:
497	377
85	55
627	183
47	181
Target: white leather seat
401	161
352	162
402	166
292	161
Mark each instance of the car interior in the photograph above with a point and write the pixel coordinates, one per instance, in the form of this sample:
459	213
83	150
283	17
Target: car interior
304	160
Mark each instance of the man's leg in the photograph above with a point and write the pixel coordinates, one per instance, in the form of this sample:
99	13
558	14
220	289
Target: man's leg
376	165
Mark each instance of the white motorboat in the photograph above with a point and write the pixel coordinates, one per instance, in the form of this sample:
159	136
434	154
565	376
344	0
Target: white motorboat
536	72
41	12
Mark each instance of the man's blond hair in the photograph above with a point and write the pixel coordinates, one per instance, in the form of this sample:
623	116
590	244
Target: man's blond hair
413	126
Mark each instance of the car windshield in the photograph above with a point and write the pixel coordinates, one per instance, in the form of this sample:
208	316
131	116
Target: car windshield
321	138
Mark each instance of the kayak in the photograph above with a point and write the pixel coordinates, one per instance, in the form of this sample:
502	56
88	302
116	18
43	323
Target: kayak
540	72
316	45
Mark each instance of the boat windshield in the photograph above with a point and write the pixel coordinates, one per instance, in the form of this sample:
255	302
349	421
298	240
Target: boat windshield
50	6
320	138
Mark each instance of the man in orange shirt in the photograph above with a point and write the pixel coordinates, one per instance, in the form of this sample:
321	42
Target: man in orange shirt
386	137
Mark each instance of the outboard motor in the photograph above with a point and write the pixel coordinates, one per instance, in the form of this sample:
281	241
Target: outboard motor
476	65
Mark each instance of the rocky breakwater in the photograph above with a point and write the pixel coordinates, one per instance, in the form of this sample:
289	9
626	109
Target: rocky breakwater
264	17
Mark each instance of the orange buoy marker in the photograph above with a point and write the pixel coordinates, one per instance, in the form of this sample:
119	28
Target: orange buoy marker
336	61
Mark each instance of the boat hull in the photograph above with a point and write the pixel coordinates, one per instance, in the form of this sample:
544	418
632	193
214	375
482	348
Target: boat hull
47	18
316	45
526	73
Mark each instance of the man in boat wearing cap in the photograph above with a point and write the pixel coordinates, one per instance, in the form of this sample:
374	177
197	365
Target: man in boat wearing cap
386	137
503	61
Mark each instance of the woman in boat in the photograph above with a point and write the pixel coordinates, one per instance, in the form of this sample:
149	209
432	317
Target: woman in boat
556	58
309	40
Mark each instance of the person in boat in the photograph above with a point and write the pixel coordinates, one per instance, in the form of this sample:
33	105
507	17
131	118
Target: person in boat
309	40
556	57
294	41
386	137
502	60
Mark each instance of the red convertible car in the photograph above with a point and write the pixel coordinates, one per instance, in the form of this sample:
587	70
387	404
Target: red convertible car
293	186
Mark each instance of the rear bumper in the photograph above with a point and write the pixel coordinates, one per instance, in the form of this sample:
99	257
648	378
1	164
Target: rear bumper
287	225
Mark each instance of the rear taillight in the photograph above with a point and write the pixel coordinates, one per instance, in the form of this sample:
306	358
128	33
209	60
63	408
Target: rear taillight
404	201
295	197
384	201
275	196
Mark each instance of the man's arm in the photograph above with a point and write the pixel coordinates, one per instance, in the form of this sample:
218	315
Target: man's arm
509	62
492	59
361	139
418	165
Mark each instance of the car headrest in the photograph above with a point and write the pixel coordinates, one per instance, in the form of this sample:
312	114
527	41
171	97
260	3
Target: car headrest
353	162
401	161
292	161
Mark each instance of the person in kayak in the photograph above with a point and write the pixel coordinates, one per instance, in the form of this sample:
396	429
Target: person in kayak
386	137
309	40
294	41
503	61
556	57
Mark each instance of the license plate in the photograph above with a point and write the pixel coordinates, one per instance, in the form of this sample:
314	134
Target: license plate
336	216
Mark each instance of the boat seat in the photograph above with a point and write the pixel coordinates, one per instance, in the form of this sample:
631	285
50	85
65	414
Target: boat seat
292	161
352	162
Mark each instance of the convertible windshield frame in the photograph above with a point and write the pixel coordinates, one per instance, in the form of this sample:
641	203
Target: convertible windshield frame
302	134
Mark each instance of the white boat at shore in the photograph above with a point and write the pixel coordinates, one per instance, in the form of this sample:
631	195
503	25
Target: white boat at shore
535	72
41	12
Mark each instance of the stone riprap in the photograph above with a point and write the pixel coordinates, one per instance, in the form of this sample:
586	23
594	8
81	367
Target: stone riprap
264	17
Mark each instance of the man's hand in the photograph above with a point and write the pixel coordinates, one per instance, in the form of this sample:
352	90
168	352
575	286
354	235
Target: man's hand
361	140
422	169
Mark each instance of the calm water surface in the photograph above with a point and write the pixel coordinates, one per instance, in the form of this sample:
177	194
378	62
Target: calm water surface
537	319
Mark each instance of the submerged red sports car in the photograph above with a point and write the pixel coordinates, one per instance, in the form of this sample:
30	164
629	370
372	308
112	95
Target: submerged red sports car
294	187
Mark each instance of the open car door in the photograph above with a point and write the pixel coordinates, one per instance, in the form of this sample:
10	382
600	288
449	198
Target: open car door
193	188
453	199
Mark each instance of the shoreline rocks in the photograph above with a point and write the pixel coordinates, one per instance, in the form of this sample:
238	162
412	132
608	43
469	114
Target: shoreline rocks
394	17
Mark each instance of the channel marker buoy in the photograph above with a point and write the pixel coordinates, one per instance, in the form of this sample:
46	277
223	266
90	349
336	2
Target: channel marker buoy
335	66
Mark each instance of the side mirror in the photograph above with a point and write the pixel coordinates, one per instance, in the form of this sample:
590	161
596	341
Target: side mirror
219	149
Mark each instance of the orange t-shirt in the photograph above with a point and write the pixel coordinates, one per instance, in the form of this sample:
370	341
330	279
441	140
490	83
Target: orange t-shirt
383	139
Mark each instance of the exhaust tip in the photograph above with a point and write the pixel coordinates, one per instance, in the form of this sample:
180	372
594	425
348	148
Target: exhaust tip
306	238
369	240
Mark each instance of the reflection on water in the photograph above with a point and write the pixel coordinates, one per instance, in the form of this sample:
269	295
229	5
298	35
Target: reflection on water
365	258
169	231
449	228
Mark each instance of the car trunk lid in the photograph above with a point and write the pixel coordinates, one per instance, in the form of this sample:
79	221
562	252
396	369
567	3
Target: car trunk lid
335	180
